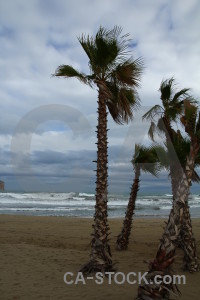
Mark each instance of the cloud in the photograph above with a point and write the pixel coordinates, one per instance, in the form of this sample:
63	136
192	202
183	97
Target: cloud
37	36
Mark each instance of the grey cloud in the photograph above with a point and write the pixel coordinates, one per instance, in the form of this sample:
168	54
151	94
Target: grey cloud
37	36
72	170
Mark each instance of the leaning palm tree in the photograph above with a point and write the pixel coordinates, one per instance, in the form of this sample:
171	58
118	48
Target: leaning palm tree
172	108
166	251
167	114
186	239
116	75
145	159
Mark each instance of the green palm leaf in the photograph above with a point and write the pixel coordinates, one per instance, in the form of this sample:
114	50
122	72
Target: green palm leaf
114	74
146	158
189	118
181	95
173	107
68	71
128	73
155	110
121	102
106	50
152	130
166	89
181	145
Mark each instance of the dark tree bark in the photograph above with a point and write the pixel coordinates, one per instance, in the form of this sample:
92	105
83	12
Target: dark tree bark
100	258
169	241
188	243
123	237
186	240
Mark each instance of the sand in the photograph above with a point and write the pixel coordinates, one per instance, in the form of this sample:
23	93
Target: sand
36	252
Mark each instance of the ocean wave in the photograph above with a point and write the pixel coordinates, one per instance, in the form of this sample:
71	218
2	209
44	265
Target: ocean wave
78	198
86	195
82	204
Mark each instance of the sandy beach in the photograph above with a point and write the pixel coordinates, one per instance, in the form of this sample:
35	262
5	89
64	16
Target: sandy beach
36	252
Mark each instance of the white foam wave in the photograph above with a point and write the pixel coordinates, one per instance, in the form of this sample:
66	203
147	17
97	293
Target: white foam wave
84	202
86	195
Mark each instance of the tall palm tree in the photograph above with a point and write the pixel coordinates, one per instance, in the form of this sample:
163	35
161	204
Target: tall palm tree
116	75
172	108
145	159
166	252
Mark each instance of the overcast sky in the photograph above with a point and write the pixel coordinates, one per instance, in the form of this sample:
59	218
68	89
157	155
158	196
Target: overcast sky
47	124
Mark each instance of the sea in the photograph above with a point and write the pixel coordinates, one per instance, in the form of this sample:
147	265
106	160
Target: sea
82	205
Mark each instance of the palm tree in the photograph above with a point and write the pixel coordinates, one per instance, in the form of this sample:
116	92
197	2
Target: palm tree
145	159
116	76
186	239
166	252
172	108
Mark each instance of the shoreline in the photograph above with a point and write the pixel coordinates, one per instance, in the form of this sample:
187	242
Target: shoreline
161	218
37	251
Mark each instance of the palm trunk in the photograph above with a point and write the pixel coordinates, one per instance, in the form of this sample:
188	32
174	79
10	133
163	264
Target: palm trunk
166	252
123	237
100	258
186	239
188	243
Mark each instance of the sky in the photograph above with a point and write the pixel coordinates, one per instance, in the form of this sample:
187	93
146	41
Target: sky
47	124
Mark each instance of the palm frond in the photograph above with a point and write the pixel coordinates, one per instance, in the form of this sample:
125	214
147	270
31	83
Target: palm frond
88	45
155	110
166	89
152	168
198	127
68	71
161	125
180	95
152	130
116	75
162	155
128	73
122	42
176	108
189	118
172	112
181	146
146	159
105	49
121	102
